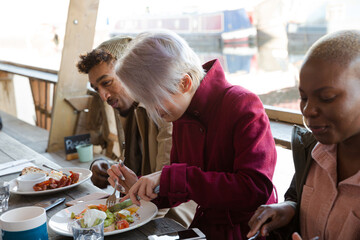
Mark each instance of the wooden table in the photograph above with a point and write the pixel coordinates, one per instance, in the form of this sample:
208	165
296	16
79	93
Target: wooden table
11	150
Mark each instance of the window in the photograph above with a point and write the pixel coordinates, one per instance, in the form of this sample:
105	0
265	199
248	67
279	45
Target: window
260	44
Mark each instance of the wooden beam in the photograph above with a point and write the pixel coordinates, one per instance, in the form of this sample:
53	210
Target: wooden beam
29	71
284	115
80	103
79	37
35	90
7	93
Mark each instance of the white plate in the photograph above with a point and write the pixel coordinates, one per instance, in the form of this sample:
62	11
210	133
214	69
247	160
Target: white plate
85	174
60	221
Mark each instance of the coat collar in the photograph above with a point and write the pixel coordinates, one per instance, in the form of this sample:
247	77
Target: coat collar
207	95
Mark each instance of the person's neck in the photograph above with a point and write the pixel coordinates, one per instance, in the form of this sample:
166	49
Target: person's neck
348	159
125	112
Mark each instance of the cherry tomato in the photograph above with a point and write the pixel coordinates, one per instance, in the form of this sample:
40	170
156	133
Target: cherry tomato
122	224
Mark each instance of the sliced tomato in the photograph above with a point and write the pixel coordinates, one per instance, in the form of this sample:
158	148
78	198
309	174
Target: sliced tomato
122	224
102	207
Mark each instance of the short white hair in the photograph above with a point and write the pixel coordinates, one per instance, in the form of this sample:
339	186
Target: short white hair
341	47
154	64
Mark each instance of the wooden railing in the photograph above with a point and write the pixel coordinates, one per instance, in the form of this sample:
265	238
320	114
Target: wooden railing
43	86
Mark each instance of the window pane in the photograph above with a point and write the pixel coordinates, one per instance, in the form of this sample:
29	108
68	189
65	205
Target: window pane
260	44
32	32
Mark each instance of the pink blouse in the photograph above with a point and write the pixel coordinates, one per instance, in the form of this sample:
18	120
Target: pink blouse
329	210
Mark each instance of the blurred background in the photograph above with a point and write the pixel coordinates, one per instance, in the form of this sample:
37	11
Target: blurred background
259	43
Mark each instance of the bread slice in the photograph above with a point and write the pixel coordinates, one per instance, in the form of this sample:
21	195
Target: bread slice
33	169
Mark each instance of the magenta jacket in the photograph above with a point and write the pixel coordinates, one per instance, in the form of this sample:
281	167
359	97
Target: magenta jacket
223	157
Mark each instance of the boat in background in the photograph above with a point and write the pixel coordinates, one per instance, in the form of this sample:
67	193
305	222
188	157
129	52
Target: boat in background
228	28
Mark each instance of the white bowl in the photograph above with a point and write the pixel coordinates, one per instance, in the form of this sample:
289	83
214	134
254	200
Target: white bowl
26	182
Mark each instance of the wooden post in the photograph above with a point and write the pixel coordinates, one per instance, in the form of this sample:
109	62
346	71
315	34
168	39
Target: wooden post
7	94
79	37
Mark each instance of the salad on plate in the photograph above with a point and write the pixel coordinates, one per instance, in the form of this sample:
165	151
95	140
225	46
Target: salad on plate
119	216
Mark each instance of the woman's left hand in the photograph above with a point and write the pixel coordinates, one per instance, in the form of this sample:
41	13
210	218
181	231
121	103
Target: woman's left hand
144	188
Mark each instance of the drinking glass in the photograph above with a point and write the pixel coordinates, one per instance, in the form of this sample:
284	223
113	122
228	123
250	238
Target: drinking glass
4	196
91	233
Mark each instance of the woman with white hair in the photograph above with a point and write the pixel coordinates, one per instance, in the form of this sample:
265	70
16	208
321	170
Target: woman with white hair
223	154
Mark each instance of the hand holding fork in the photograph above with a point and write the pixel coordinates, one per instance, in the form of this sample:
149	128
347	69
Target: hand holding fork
111	200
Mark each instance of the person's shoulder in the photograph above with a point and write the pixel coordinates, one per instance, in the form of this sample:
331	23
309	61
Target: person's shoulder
140	109
242	105
140	105
239	91
301	138
240	97
302	135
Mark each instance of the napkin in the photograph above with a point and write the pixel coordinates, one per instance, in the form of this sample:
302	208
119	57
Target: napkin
15	166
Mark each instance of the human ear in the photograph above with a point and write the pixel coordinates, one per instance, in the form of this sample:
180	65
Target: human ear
186	83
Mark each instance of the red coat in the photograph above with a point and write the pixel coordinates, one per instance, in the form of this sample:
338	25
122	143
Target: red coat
223	157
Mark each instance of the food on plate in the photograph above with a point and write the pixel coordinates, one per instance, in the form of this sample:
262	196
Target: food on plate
55	179
118	206
33	169
57	175
53	183
120	217
92	217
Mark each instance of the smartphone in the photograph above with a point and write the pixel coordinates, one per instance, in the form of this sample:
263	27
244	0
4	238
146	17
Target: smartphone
188	234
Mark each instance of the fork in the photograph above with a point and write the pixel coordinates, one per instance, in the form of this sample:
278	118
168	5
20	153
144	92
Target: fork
111	200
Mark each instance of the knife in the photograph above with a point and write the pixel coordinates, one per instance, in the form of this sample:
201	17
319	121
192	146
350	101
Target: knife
255	236
15	163
48	204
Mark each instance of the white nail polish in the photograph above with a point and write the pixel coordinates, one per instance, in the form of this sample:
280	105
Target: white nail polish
121	163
